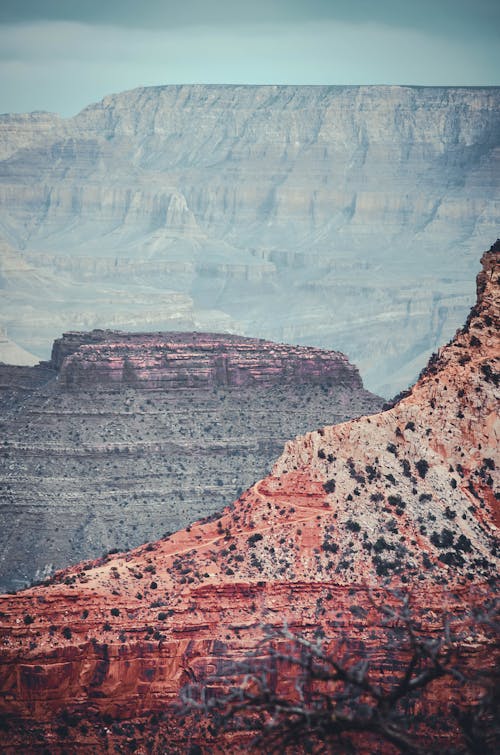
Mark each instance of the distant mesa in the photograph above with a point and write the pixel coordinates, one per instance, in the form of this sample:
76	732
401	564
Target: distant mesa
192	360
121	437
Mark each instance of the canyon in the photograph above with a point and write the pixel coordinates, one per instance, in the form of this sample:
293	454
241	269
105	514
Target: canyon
403	500
122	437
344	217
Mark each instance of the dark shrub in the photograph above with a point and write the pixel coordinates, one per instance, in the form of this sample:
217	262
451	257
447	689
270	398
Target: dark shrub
396	500
422	467
463	544
254	539
406	468
451	559
352	525
381	545
329	547
443	540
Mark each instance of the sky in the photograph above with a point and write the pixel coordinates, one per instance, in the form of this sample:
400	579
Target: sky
61	55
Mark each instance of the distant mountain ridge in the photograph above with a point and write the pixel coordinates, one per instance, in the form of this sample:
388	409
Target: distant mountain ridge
344	217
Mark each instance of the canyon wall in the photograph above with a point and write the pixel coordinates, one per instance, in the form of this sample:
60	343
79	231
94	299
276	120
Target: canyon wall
123	437
404	500
340	217
205	360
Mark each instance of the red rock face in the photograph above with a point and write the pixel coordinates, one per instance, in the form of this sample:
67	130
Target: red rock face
403	499
180	360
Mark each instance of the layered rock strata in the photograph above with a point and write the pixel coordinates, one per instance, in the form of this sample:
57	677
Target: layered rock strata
344	217
140	434
406	499
205	360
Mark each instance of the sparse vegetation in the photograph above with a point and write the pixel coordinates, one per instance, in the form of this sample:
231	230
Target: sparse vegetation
352	526
422	467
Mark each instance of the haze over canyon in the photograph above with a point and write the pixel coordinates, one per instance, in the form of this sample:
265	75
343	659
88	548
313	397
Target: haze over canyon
345	217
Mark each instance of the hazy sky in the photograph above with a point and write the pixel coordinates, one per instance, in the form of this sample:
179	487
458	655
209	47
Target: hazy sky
60	55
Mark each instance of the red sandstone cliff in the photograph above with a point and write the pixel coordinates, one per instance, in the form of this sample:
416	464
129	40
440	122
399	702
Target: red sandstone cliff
177	360
404	498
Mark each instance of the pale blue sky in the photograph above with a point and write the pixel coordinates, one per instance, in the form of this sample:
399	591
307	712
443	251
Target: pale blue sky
60	55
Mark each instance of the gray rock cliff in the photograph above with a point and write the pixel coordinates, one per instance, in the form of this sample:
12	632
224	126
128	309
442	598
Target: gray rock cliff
341	217
122	437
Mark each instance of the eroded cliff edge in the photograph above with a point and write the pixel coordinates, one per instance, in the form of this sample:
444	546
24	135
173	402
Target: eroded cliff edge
405	498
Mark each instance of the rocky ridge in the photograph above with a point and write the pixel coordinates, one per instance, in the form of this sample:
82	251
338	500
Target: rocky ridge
402	498
123	437
343	217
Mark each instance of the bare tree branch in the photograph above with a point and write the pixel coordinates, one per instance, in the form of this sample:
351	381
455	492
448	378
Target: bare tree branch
330	699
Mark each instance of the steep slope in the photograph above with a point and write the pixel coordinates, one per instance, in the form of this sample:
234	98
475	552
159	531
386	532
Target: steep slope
402	498
344	217
140	434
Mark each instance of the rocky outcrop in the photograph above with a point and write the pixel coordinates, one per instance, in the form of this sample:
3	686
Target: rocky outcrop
140	434
401	499
343	217
187	360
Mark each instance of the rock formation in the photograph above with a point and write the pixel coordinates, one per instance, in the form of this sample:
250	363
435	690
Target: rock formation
206	360
122	437
96	656
342	217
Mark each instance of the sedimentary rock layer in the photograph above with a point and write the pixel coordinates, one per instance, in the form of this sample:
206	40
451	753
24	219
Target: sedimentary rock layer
204	360
405	499
134	435
344	217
